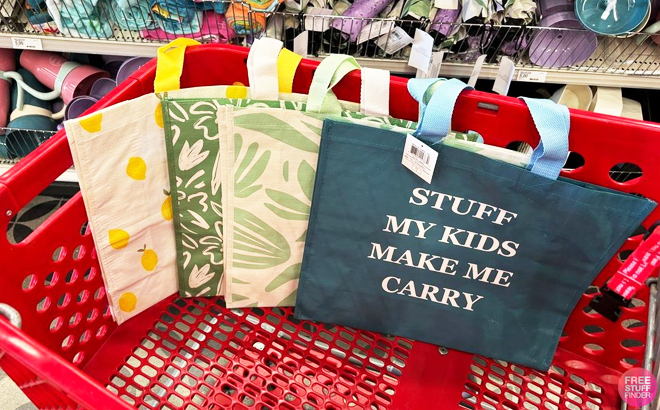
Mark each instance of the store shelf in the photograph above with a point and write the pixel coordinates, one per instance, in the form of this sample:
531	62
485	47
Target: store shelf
115	46
632	62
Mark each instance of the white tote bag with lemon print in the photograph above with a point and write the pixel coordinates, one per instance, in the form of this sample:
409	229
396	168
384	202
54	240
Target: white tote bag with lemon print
119	156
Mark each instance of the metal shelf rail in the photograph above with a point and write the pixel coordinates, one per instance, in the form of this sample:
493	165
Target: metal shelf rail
16	143
629	61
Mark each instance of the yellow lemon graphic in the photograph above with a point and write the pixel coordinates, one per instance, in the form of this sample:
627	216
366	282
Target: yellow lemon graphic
166	208
237	90
118	238
137	168
92	124
127	302
158	115
149	259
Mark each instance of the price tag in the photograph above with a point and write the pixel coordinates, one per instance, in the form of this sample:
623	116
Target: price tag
375	29
26	43
300	43
315	20
504	76
394	41
532	76
446	4
420	55
434	69
476	70
419	158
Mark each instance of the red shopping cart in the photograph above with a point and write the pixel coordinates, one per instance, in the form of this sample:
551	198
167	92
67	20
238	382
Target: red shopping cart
196	354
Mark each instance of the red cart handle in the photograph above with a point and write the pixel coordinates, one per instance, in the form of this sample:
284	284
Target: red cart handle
630	277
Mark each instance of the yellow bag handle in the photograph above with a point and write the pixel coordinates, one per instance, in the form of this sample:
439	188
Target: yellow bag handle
170	64
287	64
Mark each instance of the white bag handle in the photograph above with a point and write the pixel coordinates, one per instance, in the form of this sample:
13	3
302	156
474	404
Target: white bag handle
262	69
375	92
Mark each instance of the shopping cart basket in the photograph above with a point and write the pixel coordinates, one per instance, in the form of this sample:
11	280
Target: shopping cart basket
196	354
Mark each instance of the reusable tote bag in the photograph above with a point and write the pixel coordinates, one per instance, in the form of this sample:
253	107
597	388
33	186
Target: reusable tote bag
193	146
194	157
487	258
119	156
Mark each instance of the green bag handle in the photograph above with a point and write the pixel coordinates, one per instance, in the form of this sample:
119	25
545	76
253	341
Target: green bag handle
332	69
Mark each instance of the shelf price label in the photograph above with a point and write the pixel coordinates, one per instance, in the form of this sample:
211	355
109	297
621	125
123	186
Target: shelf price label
532	76
26	43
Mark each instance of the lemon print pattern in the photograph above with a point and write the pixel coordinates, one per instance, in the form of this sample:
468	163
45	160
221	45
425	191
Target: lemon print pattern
136	168
158	115
149	259
118	238
166	208
127	302
92	124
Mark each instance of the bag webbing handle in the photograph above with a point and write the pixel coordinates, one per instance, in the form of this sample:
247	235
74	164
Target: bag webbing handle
331	70
287	64
552	121
263	68
170	64
375	92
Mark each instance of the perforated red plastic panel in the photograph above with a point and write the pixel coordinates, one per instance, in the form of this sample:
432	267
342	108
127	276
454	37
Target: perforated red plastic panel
195	354
202	354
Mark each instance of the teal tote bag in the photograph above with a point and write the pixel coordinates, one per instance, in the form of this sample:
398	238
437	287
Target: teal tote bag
488	258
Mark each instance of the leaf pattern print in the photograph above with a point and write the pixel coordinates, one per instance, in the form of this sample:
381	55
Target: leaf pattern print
249	170
278	129
306	175
191	156
263	239
289	206
199	276
193	162
256	244
312	127
289	274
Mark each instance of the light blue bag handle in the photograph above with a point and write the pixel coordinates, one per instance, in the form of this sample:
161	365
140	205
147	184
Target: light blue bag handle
552	121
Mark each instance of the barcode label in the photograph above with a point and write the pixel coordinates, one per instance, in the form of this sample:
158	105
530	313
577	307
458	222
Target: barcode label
532	76
26	43
419	158
418	151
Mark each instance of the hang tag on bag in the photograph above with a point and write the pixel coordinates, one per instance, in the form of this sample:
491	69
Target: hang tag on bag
419	158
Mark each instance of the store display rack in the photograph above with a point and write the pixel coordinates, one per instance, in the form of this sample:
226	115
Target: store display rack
22	139
628	61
